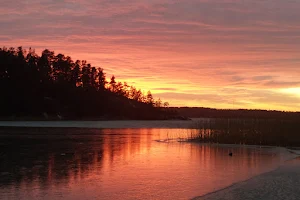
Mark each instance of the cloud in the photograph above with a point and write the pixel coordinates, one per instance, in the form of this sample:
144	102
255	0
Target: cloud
262	78
165	89
277	84
198	47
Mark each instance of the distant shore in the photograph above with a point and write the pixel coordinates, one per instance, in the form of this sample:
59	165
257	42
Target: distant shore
282	183
61	118
98	124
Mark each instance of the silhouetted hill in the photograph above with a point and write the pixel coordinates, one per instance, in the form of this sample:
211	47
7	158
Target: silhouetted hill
53	86
200	112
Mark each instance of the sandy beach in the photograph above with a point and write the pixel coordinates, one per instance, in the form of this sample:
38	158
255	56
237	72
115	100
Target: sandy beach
282	183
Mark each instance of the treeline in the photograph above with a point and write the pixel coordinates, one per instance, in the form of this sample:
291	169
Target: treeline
199	112
53	85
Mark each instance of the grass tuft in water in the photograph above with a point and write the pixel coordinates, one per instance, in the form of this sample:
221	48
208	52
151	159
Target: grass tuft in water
275	132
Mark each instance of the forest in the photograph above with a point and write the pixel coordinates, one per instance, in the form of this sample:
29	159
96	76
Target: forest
53	86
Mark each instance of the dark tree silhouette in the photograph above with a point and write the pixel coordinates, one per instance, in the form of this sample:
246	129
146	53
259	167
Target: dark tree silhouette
101	80
50	85
112	84
149	98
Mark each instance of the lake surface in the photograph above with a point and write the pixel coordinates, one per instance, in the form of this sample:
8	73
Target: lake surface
110	160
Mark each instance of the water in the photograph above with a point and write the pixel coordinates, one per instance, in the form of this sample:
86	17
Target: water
121	163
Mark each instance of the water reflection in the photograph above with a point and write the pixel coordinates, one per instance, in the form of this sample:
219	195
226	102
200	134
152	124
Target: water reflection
119	163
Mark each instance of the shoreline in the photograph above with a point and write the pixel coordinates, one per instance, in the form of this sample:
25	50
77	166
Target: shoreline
90	119
103	124
274	184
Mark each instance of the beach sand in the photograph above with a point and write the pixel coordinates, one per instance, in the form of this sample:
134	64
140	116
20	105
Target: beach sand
282	183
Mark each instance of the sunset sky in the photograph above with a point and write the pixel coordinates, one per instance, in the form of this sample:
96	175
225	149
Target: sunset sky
210	53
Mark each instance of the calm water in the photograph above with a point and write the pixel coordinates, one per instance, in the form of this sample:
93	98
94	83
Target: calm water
139	163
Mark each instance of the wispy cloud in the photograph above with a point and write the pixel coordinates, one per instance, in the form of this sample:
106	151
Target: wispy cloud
185	51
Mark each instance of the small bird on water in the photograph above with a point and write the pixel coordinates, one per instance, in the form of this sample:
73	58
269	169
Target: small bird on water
230	154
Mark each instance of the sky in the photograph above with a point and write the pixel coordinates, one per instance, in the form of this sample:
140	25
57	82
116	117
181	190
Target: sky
207	53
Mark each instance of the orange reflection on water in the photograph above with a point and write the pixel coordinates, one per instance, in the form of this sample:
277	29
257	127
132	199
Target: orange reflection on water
124	164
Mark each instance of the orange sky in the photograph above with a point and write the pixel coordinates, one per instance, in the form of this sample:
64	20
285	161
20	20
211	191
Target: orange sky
211	53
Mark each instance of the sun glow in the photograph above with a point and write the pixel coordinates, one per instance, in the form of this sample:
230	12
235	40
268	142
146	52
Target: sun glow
198	58
293	91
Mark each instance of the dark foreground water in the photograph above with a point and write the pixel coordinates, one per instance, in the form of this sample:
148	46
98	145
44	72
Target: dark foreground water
86	163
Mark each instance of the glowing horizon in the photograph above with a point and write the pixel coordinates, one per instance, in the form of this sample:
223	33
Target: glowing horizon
220	54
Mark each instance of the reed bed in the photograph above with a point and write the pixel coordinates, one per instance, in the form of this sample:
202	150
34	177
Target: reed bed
274	132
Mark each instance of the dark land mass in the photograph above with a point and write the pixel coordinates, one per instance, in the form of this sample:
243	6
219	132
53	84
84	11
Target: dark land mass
54	87
200	112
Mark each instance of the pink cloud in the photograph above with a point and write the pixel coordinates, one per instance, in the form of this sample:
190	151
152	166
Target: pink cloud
193	46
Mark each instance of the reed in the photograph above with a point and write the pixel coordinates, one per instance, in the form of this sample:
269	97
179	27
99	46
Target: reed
275	132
